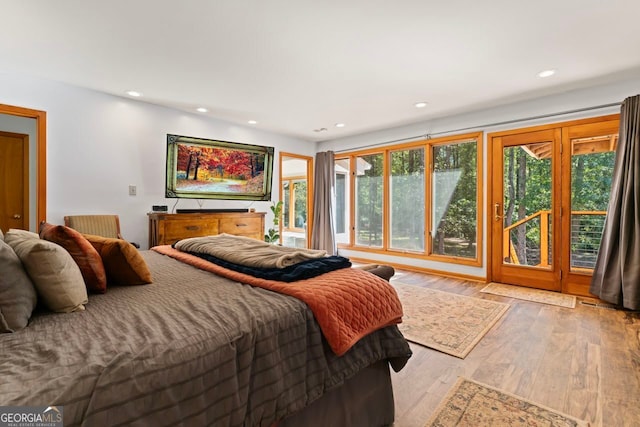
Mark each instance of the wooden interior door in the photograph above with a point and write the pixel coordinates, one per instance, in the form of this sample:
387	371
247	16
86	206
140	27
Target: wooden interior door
14	181
525	209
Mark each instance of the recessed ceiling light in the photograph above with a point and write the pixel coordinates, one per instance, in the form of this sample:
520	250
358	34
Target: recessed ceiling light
134	93
420	104
339	125
546	73
252	122
202	109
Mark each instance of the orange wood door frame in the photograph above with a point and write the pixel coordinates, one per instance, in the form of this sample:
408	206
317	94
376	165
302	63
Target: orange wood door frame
539	277
574	282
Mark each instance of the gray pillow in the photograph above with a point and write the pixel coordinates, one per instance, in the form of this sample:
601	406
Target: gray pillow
54	273
1	235
17	294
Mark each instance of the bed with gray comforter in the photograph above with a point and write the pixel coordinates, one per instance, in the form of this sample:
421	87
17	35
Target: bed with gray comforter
190	349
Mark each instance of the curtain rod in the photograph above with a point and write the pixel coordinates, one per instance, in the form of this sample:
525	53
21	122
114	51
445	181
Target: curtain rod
506	122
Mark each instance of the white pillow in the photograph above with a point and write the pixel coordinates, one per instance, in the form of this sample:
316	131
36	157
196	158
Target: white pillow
54	273
17	234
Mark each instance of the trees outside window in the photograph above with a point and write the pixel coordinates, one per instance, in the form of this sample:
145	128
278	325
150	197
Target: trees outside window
394	212
286	209
369	200
294	197
528	186
454	203
590	191
406	191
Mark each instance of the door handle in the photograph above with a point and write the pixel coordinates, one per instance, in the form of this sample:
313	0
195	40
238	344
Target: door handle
496	211
17	216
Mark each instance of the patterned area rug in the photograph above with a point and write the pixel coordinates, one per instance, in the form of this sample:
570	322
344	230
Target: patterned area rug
447	322
473	404
528	294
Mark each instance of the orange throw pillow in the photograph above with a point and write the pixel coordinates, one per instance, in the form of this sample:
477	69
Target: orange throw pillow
82	252
122	261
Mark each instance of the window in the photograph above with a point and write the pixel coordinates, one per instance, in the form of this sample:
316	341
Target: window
341	191
341	214
369	200
299	203
406	191
454	203
286	210
294	206
592	160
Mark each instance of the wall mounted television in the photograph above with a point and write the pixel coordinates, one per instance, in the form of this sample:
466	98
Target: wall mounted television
199	168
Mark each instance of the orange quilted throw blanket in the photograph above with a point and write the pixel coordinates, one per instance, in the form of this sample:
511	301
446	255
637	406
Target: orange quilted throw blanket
347	303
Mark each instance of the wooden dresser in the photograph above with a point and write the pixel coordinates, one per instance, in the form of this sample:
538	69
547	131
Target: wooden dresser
166	229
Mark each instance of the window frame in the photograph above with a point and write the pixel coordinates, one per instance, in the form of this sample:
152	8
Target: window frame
427	145
347	215
477	261
385	201
388	225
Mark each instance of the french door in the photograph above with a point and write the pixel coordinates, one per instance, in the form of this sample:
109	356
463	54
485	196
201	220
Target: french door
526	210
549	194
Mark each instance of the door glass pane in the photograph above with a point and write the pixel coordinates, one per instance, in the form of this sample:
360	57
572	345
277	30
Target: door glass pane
591	172
285	204
300	204
454	197
341	207
294	197
527	205
407	199
369	200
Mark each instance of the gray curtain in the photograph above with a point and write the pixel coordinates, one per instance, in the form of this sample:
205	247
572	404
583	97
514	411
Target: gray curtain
616	277
322	231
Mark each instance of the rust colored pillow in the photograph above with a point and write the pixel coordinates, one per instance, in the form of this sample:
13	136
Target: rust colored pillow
82	252
122	261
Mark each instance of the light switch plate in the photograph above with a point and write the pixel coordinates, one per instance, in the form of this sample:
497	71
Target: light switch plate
133	190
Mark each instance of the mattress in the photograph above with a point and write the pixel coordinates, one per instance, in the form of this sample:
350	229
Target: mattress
190	349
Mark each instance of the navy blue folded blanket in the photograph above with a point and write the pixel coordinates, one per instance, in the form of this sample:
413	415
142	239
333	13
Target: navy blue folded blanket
300	271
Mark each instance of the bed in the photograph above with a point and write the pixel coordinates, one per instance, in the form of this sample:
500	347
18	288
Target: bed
194	348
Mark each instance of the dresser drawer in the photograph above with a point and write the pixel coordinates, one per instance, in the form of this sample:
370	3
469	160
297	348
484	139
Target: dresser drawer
241	226
184	228
166	229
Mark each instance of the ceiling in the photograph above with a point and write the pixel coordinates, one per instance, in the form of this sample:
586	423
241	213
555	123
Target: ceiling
296	66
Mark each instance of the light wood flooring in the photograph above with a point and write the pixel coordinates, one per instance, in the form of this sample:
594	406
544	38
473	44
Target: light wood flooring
584	362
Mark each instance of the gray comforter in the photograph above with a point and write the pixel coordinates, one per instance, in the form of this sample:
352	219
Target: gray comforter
190	349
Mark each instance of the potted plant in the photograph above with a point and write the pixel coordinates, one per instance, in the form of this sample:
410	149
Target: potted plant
273	234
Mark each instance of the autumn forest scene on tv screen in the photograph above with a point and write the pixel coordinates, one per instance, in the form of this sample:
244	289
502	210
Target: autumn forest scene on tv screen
219	170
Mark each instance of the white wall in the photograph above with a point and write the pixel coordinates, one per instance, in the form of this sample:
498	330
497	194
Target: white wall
481	121
98	145
25	125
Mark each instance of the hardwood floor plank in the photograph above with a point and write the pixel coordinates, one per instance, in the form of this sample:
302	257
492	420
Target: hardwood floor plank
584	361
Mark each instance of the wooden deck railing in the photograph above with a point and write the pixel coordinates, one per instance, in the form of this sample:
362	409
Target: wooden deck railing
508	247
